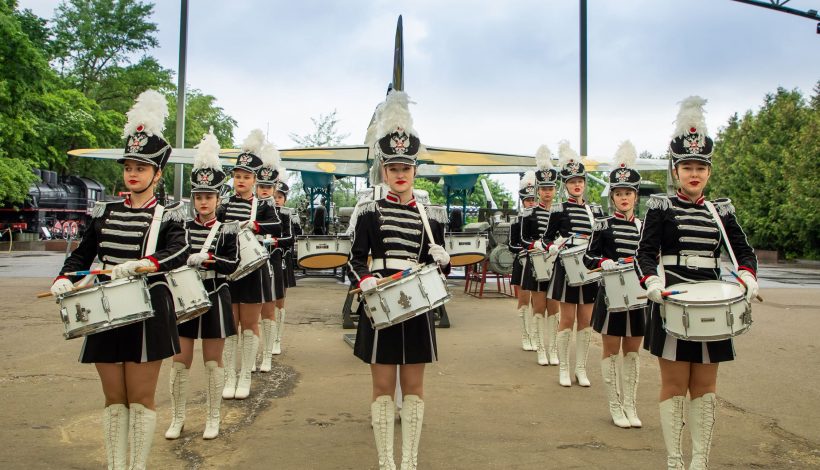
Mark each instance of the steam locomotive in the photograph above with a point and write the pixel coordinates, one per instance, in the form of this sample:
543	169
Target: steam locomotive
61	204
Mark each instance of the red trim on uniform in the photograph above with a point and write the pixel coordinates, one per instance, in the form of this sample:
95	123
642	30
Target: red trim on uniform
395	199
275	242
362	279
699	202
532	245
573	200
643	281
542	206
620	215
207	224
153	260
746	268
60	277
255	227
602	261
147	205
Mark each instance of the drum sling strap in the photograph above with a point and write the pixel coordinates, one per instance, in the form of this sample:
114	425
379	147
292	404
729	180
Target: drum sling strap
425	222
210	238
153	231
728	245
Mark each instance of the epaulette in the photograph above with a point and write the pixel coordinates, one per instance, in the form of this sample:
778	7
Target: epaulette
724	206
362	207
224	199
268	201
557	207
659	201
286	210
175	212
230	227
596	208
99	209
437	213
601	224
526	212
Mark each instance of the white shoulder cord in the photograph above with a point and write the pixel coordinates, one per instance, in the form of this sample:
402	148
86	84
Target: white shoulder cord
423	214
253	209
153	232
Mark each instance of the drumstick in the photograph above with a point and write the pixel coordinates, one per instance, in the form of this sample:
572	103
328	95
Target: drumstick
559	246
140	270
385	280
758	297
623	261
667	293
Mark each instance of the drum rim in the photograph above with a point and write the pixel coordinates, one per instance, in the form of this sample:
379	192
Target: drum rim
741	296
339	236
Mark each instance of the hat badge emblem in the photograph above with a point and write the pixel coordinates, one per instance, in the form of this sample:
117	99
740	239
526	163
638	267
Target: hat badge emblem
244	159
623	175
136	142
205	177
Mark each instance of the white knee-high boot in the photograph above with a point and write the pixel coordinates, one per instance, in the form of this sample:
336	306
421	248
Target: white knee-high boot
179	394
213	399
142	422
609	370
702	412
552	332
229	364
115	433
563	337
523	313
278	327
268	337
382	413
582	339
631	369
250	344
538	332
671	411
412	417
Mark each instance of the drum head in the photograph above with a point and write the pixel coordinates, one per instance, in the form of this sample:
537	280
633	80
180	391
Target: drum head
705	292
323	261
573	250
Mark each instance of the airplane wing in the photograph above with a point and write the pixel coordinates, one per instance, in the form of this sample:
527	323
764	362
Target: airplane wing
353	160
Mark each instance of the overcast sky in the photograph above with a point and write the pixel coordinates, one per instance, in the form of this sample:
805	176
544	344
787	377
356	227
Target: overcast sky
489	75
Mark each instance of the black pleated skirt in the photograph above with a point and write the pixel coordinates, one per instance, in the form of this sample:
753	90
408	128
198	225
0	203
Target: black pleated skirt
290	275
255	288
216	322
626	323
517	272
278	275
561	291
151	340
660	344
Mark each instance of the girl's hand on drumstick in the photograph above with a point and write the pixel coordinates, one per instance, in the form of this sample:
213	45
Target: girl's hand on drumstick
747	280
368	284
196	259
609	265
132	268
439	254
61	286
654	289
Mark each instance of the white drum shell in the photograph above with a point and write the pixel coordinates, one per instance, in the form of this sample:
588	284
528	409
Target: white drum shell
406	298
466	248
323	251
577	272
106	306
190	296
252	255
622	288
708	311
542	265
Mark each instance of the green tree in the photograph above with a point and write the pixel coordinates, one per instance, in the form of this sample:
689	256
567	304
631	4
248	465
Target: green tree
756	162
325	133
15	178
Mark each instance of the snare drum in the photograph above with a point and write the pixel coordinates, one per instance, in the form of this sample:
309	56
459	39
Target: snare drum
106	306
542	265
466	248
622	288
708	311
252	255
323	251
190	296
577	272
406	298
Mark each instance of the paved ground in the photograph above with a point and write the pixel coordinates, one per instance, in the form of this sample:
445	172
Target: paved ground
489	405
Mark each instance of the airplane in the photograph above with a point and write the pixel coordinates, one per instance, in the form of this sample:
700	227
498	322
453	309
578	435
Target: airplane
356	160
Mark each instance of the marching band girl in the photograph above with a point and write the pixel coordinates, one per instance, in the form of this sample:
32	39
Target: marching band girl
569	223
683	233
284	257
614	239
121	235
251	291
217	323
266	183
526	193
533	228
392	230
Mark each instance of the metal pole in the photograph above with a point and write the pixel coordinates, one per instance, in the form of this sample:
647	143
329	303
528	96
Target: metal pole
583	78
183	49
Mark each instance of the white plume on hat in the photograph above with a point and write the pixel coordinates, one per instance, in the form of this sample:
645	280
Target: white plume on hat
626	155
149	111
690	115
566	153
543	158
394	113
527	180
269	155
254	142
207	152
